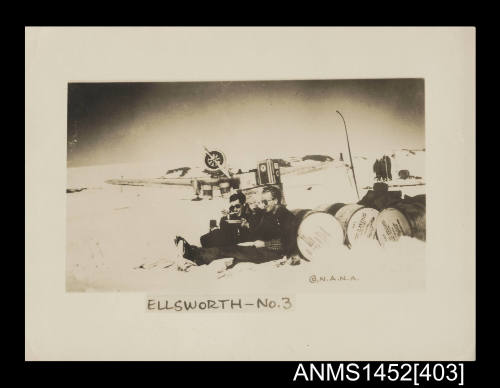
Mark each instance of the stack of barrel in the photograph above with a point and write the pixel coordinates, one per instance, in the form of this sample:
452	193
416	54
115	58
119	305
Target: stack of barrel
384	217
328	227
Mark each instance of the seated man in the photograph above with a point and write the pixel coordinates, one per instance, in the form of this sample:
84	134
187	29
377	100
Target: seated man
234	226
273	235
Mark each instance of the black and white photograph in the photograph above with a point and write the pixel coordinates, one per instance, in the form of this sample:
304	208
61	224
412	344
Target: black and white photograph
238	185
250	194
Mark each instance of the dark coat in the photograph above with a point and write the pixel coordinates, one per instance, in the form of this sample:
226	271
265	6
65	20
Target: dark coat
231	234
235	233
278	226
386	163
380	199
377	170
382	168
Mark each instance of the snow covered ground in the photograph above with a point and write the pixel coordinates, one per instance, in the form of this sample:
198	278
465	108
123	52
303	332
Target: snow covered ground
112	230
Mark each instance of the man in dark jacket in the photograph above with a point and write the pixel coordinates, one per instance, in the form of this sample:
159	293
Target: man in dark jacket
387	167
275	228
234	226
376	170
273	235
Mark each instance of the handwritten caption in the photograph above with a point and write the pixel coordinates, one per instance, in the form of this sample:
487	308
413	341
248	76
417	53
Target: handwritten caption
219	304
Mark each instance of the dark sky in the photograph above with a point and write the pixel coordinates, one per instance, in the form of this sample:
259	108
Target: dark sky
132	122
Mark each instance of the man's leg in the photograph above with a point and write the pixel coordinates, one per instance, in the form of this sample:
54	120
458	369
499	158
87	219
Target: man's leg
239	253
250	255
204	255
215	238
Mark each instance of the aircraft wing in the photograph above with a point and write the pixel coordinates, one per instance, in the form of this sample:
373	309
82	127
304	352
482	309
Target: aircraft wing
164	181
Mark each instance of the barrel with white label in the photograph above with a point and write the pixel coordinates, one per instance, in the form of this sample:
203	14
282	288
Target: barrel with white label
319	235
345	213
361	225
415	213
358	222
403	219
391	224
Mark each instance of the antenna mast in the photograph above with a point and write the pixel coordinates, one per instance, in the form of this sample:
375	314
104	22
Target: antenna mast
350	156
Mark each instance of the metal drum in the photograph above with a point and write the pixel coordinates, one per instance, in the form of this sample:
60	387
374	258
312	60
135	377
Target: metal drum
403	219
391	224
319	235
344	214
415	213
361	225
358	222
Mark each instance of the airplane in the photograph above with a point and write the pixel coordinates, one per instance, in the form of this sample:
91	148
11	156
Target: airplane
268	171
